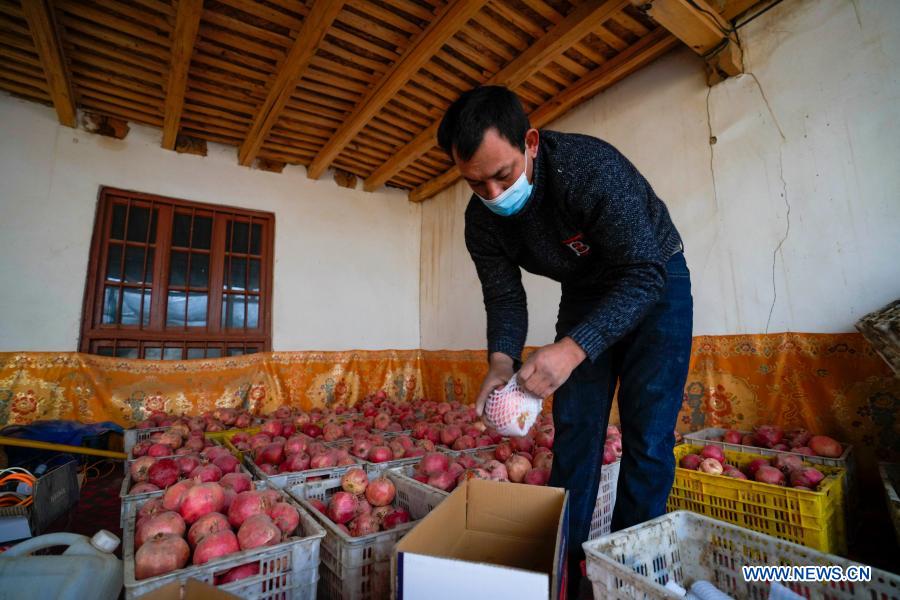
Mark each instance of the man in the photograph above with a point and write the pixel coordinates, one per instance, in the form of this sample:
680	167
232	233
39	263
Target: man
572	208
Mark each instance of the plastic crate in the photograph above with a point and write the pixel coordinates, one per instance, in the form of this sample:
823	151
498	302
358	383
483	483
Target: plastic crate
359	568
372	467
54	493
890	477
286	570
287	480
685	547
130	499
601	520
133	436
810	518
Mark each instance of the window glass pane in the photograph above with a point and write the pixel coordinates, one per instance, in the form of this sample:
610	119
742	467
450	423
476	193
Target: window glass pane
235	351
148	276
178	269
233	311
213	352
105	350
114	263
256	239
252	312
138	221
197	309
146	316
199	270
240	237
172	354
181	230
175	309
153	219
126	352
254	274
196	353
134	264
202	232
237	273
110	304
152	353
131	306
117	230
251	350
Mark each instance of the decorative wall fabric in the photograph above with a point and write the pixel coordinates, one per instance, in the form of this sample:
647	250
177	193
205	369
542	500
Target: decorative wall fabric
829	383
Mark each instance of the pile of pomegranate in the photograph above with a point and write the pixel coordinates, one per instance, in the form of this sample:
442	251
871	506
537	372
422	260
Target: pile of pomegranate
200	522
800	441
220	419
782	469
363	506
211	464
178	439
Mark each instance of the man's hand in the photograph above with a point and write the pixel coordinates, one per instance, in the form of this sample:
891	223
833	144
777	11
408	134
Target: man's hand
550	366
499	374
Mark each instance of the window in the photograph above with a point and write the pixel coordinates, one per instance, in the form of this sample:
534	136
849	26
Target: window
171	279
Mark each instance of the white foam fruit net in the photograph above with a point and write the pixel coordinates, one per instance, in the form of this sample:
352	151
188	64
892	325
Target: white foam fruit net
511	410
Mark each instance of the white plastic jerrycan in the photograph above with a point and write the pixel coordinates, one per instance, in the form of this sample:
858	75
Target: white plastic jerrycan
87	569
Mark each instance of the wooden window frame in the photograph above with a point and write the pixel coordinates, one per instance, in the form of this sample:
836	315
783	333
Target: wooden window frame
95	334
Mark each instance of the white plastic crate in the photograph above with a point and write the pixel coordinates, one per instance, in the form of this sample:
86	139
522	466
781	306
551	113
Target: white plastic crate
286	570
359	568
685	547
601	520
890	478
133	436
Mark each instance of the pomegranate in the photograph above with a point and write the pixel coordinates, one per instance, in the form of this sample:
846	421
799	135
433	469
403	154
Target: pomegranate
379	454
522	444
205	525
164	522
787	463
537	477
434	463
398	517
202	499
754	466
257	531
355	481
381	512
713	452
163	473
322	461
187	463
171	438
206	473
211	453
175	494
380	491
767	435
151	507
140	449
823	445
804	450
161	554
140	467
285	517
503	451
769	474
239	482
544	460
711	466
214	545
342	507
295	462
271	453
272	427
806	477
731	437
247	504
733	473
318	505
238	573
450	434
143	488
517	466
159	450
227	464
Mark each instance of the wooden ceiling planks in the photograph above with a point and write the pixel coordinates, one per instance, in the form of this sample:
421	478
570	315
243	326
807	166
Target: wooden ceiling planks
359	85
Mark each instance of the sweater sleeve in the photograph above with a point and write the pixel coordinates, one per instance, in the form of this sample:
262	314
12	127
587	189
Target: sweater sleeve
501	284
621	230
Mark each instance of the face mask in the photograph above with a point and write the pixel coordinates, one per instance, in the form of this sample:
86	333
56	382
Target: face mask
513	198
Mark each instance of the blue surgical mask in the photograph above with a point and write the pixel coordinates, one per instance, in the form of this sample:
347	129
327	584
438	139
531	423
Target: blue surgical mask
513	198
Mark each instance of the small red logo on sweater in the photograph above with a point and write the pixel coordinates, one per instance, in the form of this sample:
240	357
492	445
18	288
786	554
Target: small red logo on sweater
577	246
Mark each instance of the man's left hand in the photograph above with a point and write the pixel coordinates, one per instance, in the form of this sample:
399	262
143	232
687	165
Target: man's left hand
550	366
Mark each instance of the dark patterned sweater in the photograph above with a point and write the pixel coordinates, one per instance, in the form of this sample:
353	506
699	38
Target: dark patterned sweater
592	223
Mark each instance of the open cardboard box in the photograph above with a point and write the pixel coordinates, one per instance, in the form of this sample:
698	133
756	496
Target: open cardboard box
487	540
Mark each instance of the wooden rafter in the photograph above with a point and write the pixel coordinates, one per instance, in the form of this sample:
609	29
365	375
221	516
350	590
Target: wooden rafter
633	58
187	23
432	38
580	22
46	38
315	25
702	29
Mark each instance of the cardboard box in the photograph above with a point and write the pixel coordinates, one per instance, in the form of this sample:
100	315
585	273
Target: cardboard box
192	589
487	540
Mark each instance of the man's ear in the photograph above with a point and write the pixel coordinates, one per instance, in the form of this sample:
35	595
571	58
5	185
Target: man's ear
532	139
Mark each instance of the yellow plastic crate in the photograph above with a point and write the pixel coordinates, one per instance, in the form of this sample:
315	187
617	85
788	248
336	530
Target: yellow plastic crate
224	437
813	519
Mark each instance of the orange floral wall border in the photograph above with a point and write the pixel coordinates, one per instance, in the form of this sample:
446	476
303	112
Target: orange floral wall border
829	383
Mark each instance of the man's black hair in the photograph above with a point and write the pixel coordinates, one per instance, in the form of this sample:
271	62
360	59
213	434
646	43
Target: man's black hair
465	122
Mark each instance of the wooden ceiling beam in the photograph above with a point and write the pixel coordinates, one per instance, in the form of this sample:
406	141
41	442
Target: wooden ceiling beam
187	23
315	25
580	22
47	43
702	29
446	24
646	50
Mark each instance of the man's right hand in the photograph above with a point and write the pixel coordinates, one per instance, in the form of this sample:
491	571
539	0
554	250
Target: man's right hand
499	373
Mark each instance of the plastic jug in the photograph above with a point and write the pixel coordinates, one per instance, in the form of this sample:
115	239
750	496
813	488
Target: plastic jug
87	569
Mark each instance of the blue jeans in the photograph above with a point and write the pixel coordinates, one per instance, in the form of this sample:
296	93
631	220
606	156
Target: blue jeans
650	365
